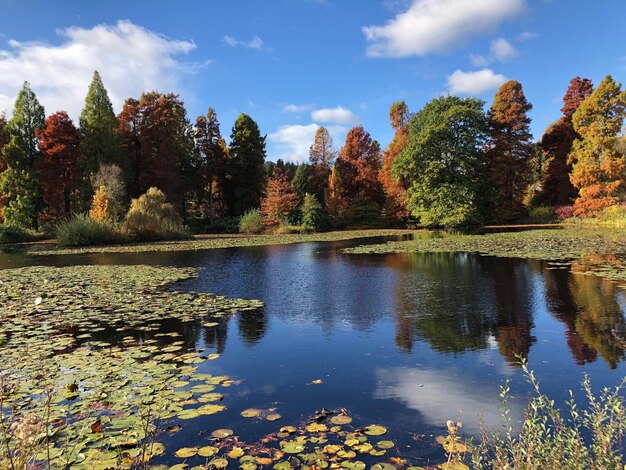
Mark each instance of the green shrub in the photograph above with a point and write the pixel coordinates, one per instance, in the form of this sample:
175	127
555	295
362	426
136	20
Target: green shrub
151	217
223	225
251	222
285	228
541	215
314	218
10	234
82	230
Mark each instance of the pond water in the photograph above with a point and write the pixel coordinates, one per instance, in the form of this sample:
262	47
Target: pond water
406	341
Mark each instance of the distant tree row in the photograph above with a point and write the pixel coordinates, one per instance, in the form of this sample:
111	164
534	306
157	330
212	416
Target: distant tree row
451	163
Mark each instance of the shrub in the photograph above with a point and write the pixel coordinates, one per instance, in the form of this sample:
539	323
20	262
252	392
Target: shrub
541	215
13	234
577	438
314	218
151	217
564	212
251	222
82	230
364	214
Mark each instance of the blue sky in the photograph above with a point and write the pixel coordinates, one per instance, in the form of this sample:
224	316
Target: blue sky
296	64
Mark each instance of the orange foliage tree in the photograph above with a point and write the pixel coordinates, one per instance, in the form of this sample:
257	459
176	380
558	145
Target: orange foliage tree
556	143
100	205
321	156
510	151
354	176
280	198
597	168
59	143
395	192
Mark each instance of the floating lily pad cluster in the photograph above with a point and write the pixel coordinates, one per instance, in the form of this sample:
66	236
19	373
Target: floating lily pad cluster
72	399
327	440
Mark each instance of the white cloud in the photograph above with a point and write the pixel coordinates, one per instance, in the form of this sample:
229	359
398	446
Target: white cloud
255	43
500	50
437	26
338	115
526	36
297	108
474	83
292	142
131	59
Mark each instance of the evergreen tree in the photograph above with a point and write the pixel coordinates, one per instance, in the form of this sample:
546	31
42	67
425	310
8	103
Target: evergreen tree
100	141
212	157
444	163
597	167
301	180
511	150
246	181
19	183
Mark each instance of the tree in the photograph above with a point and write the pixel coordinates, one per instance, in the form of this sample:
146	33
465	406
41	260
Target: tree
111	178
444	163
355	173
150	216
19	182
395	192
212	158
556	187
314	219
321	156
301	180
100	141
100	206
4	139
246	175
510	150
58	143
280	198
597	168
159	139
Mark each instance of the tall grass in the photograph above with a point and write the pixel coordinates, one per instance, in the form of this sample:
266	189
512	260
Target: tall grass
82	230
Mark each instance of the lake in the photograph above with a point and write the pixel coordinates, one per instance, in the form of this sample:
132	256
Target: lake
405	341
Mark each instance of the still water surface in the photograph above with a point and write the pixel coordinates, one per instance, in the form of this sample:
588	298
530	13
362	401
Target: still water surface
404	340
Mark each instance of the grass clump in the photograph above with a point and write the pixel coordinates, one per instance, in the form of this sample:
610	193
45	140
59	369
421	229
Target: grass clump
10	234
82	230
251	222
551	439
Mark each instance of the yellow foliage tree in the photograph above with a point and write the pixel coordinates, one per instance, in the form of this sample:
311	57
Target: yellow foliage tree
100	205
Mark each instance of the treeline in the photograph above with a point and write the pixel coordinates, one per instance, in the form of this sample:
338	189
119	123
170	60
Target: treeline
452	163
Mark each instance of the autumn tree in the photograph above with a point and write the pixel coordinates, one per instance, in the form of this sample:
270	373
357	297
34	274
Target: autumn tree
100	205
129	126
280	198
58	143
111	178
321	156
100	142
395	193
19	182
556	187
597	167
510	150
444	163
246	181
354	176
212	158
159	141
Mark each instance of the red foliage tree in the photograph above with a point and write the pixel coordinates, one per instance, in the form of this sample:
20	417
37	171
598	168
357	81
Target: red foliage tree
58	143
355	173
280	198
395	192
510	151
556	144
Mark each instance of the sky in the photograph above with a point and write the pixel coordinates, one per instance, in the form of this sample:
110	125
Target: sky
294	65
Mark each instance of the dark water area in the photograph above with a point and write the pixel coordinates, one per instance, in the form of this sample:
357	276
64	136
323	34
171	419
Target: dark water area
406	341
